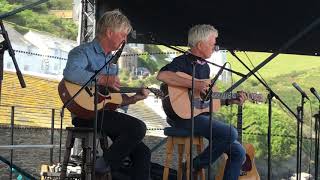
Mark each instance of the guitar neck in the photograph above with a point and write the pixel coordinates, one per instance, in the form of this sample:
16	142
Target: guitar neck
155	91
239	123
229	95
129	89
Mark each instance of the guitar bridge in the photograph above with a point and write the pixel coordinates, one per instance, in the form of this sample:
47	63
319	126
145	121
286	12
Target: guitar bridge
243	173
88	91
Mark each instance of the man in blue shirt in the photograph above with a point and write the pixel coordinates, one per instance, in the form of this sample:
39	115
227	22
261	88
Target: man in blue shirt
126	131
202	40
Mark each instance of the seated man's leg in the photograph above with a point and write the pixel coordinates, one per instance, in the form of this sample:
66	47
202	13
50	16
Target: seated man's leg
236	156
126	133
223	135
140	157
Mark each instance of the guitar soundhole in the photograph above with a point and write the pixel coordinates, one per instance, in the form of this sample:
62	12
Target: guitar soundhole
247	165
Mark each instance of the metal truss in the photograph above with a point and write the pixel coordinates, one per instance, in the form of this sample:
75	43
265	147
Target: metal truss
87	21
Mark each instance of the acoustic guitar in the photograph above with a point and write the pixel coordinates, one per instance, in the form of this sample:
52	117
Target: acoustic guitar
83	104
177	101
248	169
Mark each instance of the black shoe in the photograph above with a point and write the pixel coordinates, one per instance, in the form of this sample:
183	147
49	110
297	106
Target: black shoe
101	166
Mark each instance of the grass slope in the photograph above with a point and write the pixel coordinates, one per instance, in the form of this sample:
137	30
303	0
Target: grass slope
280	65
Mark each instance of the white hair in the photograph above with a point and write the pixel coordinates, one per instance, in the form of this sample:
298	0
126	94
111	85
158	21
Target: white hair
114	20
200	33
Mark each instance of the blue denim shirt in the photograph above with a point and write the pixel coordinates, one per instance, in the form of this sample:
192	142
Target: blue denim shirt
84	60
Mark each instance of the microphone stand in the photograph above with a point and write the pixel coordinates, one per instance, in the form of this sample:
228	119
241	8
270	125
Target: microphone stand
15	11
299	136
270	96
267	60
317	135
317	142
93	79
6	45
209	95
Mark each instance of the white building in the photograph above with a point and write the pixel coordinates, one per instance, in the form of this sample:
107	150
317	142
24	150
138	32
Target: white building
23	51
37	52
54	50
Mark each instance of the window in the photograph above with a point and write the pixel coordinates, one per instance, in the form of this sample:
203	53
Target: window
26	67
9	65
56	67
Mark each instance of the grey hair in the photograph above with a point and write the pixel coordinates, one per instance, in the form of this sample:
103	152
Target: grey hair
114	20
200	33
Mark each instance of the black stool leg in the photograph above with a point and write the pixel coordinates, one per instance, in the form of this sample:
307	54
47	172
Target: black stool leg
69	145
83	163
104	146
87	147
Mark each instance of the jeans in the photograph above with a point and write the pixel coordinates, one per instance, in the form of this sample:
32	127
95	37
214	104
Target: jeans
126	133
224	140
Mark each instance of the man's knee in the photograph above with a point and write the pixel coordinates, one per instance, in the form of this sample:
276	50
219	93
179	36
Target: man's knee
143	151
239	152
233	134
242	154
139	130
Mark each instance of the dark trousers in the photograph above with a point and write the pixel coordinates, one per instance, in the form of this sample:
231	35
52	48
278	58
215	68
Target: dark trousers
126	133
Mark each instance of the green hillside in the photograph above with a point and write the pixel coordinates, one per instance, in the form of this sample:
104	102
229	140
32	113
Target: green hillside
280	65
39	18
280	73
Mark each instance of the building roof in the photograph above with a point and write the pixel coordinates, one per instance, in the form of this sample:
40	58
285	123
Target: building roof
62	13
14	36
34	104
48	40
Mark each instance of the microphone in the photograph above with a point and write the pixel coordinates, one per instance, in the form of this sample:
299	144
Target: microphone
118	53
133	34
315	93
144	36
300	90
216	48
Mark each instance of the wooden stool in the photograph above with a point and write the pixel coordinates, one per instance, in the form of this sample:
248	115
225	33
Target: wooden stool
86	135
181	137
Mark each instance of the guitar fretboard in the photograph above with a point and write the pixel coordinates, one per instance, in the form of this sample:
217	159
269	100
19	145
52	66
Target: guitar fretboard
229	95
239	123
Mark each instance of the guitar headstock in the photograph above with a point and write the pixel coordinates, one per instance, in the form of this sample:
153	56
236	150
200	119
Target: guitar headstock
255	97
157	92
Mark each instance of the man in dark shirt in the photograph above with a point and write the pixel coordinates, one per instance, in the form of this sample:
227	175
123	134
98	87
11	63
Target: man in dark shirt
202	40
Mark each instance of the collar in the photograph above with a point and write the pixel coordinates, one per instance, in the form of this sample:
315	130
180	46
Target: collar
97	46
199	61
